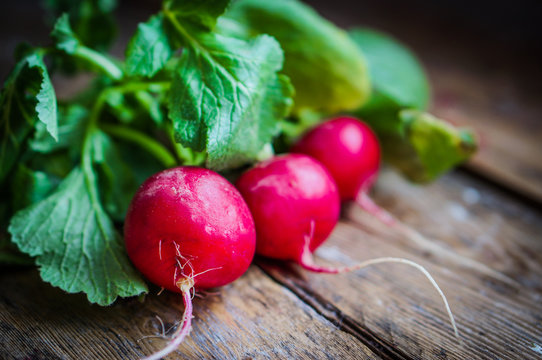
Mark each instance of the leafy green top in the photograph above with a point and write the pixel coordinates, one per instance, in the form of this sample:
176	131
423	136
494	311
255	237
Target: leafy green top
226	97
201	85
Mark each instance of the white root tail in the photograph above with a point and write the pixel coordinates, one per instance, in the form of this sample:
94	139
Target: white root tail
179	335
307	262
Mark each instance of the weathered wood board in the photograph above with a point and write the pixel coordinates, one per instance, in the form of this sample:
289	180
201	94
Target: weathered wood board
255	317
506	120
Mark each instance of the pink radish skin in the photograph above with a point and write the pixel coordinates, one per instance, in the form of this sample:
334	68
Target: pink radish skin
349	149
296	204
188	228
288	196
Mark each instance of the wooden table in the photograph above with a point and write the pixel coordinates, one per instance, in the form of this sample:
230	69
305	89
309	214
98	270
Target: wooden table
478	230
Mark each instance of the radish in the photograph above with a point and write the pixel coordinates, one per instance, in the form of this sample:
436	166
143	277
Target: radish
188	228
349	149
287	195
295	204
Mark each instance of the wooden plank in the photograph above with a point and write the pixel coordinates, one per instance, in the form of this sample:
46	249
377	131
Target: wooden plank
397	305
252	318
506	120
462	216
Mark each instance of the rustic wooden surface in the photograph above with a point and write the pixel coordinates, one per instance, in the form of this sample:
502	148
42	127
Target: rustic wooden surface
478	230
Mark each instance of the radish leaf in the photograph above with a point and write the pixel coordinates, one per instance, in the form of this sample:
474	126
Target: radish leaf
150	48
227	98
75	244
27	97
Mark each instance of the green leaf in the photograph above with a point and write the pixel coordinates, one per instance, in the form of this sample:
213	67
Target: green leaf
327	69
150	48
397	77
71	122
46	98
92	19
63	35
75	244
201	13
422	146
227	98
26	98
67	41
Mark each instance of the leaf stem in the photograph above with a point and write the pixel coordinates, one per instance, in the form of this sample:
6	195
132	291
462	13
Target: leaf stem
182	31
86	154
141	86
155	148
101	61
186	155
92	126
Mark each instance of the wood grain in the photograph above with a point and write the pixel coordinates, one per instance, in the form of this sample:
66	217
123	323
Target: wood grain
397	304
254	318
465	218
506	120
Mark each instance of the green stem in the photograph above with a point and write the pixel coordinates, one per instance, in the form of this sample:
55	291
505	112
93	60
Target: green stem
141	86
92	126
86	154
152	146
186	155
101	61
191	41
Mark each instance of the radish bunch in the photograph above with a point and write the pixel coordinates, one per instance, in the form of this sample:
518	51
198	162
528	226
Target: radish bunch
188	228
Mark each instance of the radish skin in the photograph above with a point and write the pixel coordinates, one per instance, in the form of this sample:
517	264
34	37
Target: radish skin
287	195
349	150
186	229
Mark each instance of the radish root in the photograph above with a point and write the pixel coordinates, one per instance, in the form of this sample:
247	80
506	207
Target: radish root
366	203
183	330
307	262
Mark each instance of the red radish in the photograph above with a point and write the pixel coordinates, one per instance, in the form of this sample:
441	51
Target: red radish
288	195
349	149
188	228
295	204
